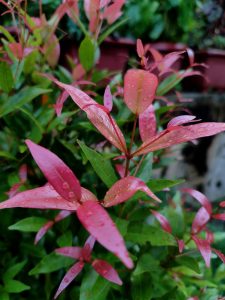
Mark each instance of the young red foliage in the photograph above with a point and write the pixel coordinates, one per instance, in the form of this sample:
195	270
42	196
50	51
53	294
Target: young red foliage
106	270
204	248
201	198
124	189
139	90
108	98
201	219
162	220
113	11
147	124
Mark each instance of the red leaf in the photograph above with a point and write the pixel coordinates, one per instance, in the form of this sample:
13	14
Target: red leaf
73	252
204	248
72	9
125	188
108	98
19	51
121	170
57	172
222	204
69	277
97	114
86	195
113	12
99	224
59	102
140	48
181	245
201	219
180	135
91	8
104	269
219	217
147	124
103	3
219	254
139	90
201	198
62	215
163	221
42	198
42	231
180	120
209	236
168	60
88	247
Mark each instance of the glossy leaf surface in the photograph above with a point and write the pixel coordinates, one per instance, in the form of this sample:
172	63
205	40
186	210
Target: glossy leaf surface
108	98
201	219
104	269
147	124
57	172
124	189
98	223
201	198
69	277
139	90
73	252
204	248
180	135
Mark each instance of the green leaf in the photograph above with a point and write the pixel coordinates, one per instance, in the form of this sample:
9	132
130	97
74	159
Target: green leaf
4	296
146	264
189	262
51	263
142	287
157	185
102	166
30	224
87	51
66	239
145	171
6	77
141	233
24	96
15	286
13	271
109	30
169	83
6	33
94	287
7	155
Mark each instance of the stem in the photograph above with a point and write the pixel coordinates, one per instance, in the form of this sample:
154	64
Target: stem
139	164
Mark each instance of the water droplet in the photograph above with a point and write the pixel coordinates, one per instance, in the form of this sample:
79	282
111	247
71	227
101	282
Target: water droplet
89	213
65	186
104	272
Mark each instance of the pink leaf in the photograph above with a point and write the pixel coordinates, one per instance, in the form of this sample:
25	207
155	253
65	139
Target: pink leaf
42	198
103	3
73	252
204	248
124	189
140	48
222	204
57	172
99	224
201	198
219	254
163	221
19	51
72	9
62	215
60	101
181	245
209	236
97	114
108	98
88	247
69	277
180	120
121	170
201	219
86	195
168	60
113	12
180	135
147	124
219	217
91	8
104	269
139	90
42	231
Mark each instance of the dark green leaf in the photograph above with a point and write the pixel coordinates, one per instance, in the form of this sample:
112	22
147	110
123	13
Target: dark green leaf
146	264
94	287
24	96
145	170
141	287
189	262
30	224
157	185
51	263
13	271
15	286
66	239
141	233
169	83
4	296
6	77
102	166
